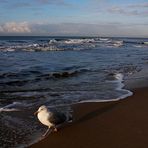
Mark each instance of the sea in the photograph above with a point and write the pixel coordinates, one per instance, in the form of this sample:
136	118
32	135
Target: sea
58	72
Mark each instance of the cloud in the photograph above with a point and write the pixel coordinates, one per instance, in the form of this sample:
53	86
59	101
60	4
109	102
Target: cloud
120	10
20	5
3	1
33	4
1	29
75	29
101	29
53	2
140	5
129	10
13	27
64	29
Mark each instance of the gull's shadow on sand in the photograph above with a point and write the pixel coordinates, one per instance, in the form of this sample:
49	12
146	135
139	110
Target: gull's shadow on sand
96	112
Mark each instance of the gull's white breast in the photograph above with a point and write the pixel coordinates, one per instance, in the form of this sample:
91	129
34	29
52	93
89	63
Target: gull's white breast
43	116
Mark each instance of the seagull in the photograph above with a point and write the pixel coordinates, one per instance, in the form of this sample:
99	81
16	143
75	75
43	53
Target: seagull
51	118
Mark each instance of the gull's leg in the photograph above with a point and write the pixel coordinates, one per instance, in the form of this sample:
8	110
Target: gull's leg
46	132
55	129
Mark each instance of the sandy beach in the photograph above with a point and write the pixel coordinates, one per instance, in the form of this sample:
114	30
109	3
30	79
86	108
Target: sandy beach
107	125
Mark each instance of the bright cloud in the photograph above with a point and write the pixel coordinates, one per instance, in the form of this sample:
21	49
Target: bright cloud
13	27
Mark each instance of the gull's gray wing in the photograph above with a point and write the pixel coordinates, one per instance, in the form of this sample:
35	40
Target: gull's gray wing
57	117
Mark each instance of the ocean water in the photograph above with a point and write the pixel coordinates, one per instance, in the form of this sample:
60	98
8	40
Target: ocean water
58	72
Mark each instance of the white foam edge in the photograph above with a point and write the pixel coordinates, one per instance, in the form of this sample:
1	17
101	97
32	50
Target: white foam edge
8	109
120	86
129	93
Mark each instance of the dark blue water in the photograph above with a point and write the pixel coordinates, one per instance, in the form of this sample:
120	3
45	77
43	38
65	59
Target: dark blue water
60	71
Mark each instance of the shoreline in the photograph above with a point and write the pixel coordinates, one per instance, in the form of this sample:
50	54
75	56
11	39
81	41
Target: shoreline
121	124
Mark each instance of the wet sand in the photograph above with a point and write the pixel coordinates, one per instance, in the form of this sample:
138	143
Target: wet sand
121	124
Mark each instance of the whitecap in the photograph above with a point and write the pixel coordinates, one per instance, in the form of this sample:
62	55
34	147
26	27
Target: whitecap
118	43
119	76
115	77
10	49
52	41
79	41
146	43
103	39
74	41
137	46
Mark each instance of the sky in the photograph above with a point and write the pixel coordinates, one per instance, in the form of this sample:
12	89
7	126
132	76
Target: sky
124	18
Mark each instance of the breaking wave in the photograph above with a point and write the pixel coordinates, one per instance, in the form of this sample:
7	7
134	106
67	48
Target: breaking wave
60	44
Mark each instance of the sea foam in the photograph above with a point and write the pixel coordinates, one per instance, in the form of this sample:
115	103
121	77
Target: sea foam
15	106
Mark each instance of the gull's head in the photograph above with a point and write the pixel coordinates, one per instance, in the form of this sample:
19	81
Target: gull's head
41	108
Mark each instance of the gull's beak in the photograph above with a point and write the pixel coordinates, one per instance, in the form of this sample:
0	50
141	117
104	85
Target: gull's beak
36	112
